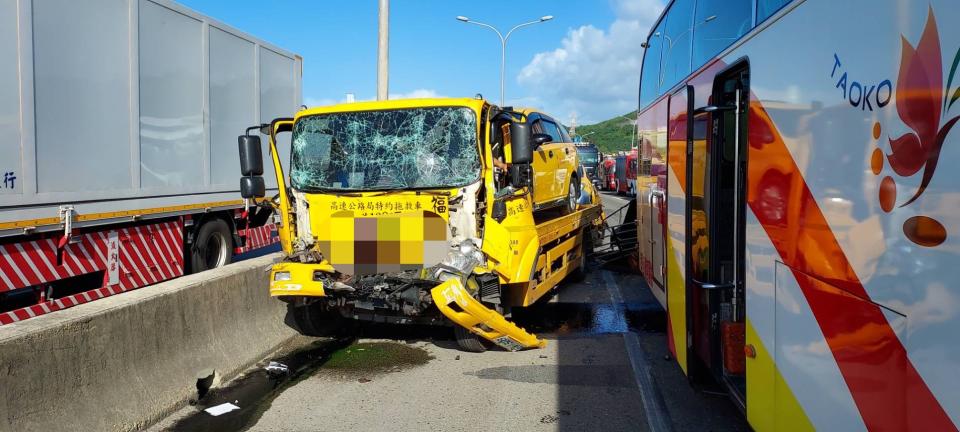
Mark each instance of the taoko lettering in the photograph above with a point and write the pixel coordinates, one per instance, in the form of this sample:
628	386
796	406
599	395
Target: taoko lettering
864	96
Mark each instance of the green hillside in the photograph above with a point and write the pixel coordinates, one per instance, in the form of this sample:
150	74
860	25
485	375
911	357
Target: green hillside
610	135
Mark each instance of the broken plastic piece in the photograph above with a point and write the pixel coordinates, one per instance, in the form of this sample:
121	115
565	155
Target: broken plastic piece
221	409
479	319
277	368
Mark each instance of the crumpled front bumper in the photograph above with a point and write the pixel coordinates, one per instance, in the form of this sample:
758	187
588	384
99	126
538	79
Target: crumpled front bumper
459	306
302	280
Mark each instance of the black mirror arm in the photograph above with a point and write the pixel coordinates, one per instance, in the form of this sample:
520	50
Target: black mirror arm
260	126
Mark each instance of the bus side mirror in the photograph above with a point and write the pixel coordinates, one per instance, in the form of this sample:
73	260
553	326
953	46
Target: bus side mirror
520	145
251	155
252	187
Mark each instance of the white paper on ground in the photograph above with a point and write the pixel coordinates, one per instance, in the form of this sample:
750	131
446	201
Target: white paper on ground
221	409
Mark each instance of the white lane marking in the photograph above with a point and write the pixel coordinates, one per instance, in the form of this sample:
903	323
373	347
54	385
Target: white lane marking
653	405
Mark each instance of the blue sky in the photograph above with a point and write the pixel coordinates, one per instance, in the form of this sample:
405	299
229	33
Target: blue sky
585	62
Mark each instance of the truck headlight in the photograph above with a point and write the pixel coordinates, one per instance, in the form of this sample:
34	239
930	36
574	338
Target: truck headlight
281	276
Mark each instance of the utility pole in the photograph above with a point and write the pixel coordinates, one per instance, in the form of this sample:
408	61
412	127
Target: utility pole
383	51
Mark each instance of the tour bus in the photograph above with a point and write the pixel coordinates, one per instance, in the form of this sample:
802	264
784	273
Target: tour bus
792	220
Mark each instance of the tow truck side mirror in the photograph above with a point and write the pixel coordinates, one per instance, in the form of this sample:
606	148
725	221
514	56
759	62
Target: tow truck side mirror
251	156
521	151
252	187
251	167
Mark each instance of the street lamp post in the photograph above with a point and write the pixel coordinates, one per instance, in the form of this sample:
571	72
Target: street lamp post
586	135
503	41
634	121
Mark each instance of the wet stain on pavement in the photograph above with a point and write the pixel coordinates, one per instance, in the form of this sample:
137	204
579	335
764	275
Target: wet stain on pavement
607	376
371	358
591	318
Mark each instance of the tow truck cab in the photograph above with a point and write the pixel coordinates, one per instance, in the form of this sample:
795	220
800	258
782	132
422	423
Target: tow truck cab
423	211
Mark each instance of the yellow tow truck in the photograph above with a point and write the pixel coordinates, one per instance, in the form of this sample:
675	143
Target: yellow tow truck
432	211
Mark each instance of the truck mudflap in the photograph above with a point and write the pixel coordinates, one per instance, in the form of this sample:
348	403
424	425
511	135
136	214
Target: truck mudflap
457	304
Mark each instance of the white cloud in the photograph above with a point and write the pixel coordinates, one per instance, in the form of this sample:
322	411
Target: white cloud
595	73
417	94
311	102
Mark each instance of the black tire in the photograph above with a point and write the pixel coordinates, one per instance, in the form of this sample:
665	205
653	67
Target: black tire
312	320
468	341
573	196
212	246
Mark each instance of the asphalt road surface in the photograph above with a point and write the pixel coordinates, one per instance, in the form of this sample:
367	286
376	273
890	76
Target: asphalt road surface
606	368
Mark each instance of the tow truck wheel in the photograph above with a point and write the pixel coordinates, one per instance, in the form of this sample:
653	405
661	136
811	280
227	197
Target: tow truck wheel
573	195
312	320
468	341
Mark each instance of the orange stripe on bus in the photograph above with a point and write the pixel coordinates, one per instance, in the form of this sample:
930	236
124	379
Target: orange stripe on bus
887	389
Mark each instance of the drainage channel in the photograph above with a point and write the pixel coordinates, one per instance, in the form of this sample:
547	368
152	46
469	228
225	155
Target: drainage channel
253	393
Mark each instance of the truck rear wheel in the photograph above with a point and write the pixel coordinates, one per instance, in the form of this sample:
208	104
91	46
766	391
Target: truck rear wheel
468	340
212	247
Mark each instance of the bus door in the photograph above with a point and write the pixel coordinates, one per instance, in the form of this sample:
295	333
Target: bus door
716	162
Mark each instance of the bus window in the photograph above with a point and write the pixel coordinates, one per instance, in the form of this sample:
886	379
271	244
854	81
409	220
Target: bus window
676	43
718	23
765	8
650	73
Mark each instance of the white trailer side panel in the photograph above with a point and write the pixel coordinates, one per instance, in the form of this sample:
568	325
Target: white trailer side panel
81	54
10	157
233	100
172	144
274	92
130	107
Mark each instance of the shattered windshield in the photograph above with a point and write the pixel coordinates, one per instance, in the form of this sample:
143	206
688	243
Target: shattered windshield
381	150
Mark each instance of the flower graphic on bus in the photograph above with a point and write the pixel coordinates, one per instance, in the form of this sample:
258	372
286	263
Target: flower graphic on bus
923	103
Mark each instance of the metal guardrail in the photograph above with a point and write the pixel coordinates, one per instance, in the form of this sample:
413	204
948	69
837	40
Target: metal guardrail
618	236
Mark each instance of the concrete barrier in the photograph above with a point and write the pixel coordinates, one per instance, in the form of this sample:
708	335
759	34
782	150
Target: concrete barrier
124	362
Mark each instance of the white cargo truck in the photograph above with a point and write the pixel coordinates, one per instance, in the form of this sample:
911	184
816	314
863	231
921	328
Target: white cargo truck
118	146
